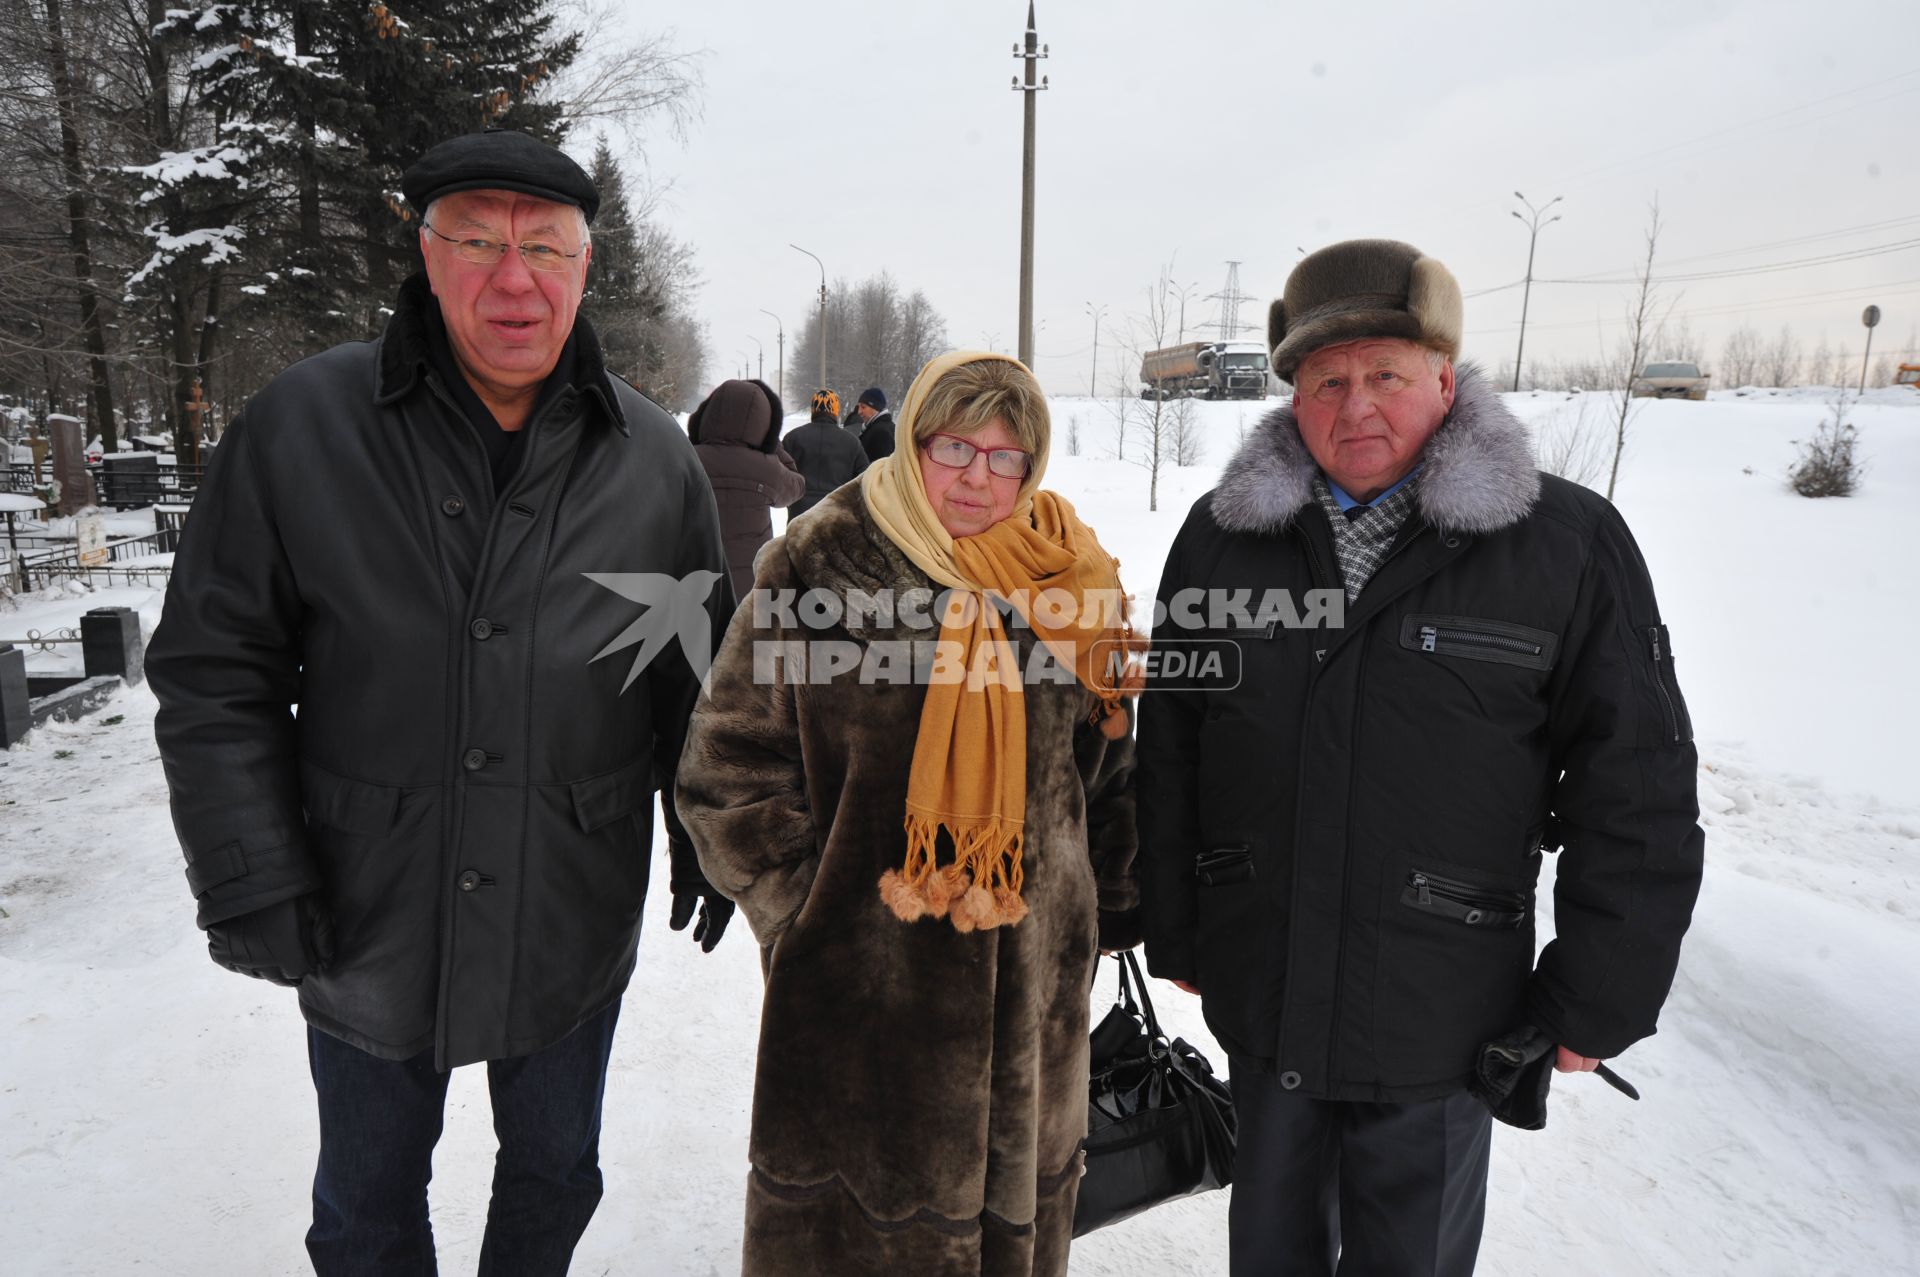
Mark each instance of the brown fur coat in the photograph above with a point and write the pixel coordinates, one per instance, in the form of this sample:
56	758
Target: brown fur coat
921	1094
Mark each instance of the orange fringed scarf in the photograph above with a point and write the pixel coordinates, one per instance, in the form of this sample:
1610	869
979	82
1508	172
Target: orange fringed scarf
970	758
969	771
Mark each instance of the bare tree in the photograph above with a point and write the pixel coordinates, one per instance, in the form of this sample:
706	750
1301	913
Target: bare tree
1183	434
1148	441
1821	365
1741	357
1781	361
1643	320
625	80
1566	443
1677	341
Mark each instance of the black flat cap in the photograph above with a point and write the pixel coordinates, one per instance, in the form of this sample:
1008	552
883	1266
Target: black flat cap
499	160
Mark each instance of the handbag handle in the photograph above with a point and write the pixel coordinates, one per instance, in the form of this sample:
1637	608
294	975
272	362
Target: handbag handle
1130	965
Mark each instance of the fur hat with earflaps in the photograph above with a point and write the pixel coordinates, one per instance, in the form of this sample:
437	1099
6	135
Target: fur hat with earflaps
1364	288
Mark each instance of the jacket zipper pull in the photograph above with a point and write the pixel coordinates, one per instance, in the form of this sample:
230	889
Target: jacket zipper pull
1429	638
1653	634
1420	885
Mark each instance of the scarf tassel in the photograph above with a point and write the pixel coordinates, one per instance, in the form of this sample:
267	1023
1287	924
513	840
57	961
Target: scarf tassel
980	890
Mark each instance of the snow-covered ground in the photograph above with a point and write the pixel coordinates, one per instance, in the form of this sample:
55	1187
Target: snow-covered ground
157	1116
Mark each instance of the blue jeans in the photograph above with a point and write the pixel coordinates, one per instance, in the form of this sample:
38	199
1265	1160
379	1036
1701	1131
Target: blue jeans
379	1121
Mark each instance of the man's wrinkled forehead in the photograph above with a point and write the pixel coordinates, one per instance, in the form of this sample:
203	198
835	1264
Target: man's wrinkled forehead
1373	352
496	210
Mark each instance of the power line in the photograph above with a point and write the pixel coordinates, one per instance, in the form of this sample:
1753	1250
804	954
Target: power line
1830	259
1859	293
1779	243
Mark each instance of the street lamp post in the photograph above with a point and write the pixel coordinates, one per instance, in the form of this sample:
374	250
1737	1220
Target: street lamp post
823	312
1093	374
1533	233
761	366
781	345
1183	290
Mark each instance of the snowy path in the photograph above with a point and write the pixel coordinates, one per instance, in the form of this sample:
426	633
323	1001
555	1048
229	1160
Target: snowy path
158	1118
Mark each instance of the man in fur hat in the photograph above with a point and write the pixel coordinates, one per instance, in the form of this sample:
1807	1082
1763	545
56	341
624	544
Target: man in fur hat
1339	850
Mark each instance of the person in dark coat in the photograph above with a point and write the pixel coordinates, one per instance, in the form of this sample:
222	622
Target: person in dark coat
444	548
1446	663
827	453
876	433
736	432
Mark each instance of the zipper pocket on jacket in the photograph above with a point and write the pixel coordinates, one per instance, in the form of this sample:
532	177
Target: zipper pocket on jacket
1476	906
1223	865
1679	722
1478	639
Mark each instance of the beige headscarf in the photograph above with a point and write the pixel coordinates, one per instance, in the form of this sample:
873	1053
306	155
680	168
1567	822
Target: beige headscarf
969	771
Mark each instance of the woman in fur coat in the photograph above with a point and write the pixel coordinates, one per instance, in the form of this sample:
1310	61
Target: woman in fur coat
930	841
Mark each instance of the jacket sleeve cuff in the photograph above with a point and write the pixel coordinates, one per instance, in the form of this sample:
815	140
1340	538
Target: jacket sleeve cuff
1119	929
264	878
1170	961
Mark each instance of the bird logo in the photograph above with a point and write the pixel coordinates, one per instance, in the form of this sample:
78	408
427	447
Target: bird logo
675	607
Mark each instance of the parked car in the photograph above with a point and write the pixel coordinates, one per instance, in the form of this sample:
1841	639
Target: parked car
1670	381
1909	375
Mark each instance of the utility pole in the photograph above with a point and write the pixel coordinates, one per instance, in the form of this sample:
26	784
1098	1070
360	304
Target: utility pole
823	314
782	346
1093	375
1533	233
1229	298
760	364
1032	54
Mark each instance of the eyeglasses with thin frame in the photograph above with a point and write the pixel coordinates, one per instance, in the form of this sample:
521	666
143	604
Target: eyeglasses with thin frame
489	252
956	453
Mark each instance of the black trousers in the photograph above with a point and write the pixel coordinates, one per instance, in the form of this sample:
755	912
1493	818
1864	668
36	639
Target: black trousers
1364	1190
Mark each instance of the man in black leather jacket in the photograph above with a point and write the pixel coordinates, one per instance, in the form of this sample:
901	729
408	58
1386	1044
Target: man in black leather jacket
487	575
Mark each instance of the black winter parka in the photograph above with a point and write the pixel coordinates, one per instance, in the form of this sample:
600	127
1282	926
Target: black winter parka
1341	850
828	454
381	682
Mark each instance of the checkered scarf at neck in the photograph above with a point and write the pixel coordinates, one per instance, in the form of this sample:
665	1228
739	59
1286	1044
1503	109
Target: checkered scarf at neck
1361	543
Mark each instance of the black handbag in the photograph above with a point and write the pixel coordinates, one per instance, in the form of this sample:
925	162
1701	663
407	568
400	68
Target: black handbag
1160	1125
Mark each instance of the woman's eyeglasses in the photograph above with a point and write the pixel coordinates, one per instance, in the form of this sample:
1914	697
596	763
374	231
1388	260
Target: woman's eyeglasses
488	252
956	453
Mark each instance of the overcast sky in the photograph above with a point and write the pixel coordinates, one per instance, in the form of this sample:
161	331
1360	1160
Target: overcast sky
884	135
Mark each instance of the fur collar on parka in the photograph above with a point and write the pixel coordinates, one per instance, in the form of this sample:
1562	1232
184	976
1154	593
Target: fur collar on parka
1477	472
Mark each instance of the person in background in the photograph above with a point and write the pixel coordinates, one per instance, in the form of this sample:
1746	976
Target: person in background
876	434
826	452
736	432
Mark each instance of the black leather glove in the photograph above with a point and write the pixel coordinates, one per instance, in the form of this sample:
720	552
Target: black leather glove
690	888
282	944
1511	1076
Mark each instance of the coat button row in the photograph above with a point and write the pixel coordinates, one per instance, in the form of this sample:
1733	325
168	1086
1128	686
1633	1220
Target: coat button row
1289	1081
474	759
452	507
